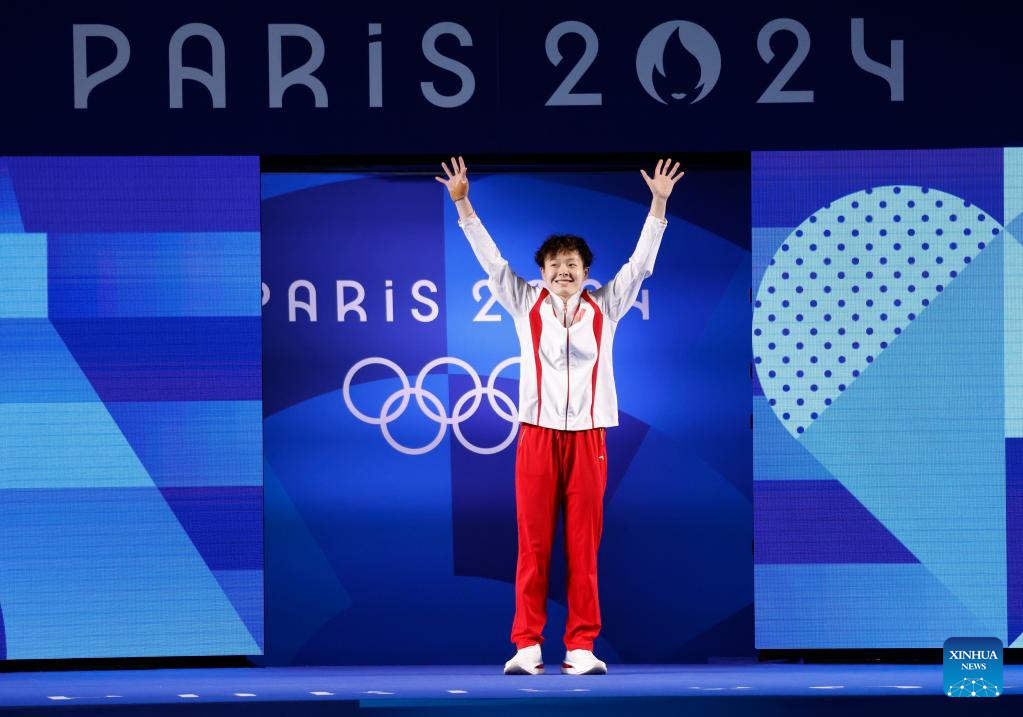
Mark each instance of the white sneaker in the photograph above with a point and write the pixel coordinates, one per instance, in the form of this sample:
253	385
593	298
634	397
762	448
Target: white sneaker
582	662
527	661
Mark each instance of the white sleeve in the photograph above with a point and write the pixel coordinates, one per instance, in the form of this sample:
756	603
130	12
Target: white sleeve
616	297
512	291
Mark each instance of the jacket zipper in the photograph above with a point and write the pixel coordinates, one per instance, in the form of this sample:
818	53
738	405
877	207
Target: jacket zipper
568	378
568	355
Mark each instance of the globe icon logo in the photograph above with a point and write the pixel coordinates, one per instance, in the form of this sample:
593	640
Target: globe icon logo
973	687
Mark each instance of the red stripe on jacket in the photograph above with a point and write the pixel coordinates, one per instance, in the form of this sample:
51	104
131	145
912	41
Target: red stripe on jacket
535	327
598	327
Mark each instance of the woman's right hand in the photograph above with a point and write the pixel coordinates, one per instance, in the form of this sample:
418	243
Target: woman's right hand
457	184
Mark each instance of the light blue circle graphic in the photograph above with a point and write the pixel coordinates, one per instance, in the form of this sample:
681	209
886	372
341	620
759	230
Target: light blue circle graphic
847	282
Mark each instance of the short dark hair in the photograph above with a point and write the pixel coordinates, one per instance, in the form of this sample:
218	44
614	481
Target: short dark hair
557	243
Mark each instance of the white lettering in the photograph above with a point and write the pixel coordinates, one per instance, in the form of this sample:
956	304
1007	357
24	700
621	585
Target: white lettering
893	75
775	91
389	300
434	57
564	95
417	294
213	81
484	315
376	70
293	303
85	83
300	75
344	307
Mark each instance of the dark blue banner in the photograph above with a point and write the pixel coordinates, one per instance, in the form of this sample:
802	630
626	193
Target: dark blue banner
310	78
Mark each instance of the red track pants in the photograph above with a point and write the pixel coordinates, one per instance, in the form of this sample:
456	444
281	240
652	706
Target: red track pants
554	470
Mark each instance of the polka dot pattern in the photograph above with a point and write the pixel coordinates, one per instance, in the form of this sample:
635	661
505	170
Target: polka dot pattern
847	282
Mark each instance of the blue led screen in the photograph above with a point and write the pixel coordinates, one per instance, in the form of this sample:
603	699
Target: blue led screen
130	407
887	338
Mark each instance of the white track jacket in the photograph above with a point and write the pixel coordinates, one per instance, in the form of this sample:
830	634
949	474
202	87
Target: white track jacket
566	377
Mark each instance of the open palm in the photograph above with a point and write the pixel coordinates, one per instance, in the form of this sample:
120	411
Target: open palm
663	181
457	184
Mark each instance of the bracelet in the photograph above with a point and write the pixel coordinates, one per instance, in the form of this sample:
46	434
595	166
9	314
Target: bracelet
464	196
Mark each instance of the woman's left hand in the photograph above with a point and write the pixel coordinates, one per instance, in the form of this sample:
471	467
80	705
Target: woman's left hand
663	181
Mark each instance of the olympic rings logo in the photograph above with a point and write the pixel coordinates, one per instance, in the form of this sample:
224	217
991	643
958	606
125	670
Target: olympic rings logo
423	397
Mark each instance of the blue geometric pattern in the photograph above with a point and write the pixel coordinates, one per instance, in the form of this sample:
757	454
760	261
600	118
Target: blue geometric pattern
847	282
822	606
165	358
244	588
10	214
131	274
1014	533
303	592
927	424
108	572
802	521
89	195
1013	314
47	377
39	454
777	454
181	443
880	326
130	524
1013	293
766	241
23	283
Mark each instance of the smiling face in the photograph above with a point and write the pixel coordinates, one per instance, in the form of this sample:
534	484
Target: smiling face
564	273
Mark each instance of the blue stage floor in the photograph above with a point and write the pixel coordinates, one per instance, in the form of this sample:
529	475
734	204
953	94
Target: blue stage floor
392	690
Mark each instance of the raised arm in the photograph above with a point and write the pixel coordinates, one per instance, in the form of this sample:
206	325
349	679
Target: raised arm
512	291
617	296
661	185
